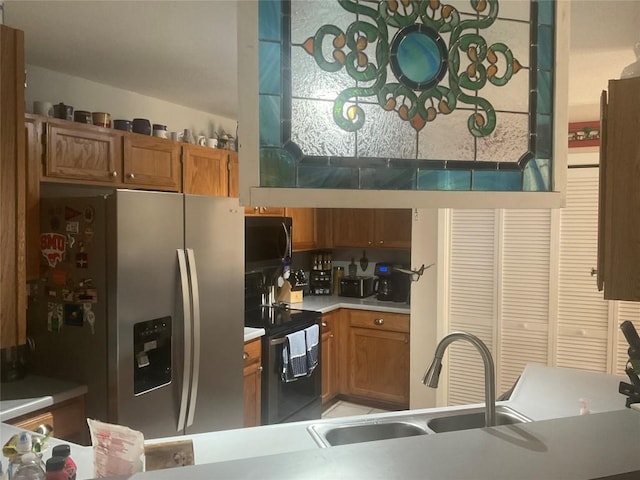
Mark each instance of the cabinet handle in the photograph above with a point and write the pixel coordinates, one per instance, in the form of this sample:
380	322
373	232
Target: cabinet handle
594	271
114	174
324	324
379	321
331	336
245	355
406	340
131	176
260	368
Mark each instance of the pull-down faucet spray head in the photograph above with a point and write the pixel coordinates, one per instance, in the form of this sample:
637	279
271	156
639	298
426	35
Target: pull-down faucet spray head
432	375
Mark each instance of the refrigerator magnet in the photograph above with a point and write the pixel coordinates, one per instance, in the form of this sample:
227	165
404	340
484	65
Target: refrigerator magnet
59	276
90	317
82	260
70	213
52	247
54	317
73	314
73	227
88	234
89	214
71	240
87	296
67	295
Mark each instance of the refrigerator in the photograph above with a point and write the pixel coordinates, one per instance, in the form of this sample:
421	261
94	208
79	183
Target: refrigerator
141	298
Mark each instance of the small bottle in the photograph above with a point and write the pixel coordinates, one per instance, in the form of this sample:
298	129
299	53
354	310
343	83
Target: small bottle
56	469
353	268
70	466
23	446
30	468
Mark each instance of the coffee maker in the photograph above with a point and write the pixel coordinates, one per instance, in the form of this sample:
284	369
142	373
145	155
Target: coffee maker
391	284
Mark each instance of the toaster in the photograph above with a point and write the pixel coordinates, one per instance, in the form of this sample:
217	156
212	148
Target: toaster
358	287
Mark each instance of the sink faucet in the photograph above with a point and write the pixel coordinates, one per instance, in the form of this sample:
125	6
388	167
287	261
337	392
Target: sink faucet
432	375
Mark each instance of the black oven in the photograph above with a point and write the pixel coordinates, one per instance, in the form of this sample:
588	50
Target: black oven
284	401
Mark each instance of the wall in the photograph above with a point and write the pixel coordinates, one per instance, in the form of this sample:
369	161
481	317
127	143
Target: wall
82	94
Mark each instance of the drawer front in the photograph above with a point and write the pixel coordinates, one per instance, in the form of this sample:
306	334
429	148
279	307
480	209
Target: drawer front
252	352
395	322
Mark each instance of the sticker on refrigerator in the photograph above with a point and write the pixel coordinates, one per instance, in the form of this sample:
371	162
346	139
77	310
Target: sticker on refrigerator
54	317
71	240
90	317
89	214
70	213
67	295
73	227
82	260
52	246
59	276
73	314
88	234
87	296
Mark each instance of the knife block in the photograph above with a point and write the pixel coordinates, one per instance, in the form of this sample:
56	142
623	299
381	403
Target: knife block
286	295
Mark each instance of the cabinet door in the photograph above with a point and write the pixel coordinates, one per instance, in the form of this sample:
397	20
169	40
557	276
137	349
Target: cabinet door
151	162
392	228
252	383
353	227
83	152
621	196
268	211
304	228
12	192
329	360
378	354
33	160
234	172
205	170
324	228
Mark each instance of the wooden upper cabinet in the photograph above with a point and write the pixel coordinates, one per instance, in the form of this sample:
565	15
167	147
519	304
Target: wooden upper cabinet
151	162
33	161
13	321
83	152
204	170
233	167
619	225
353	227
304	228
392	228
376	228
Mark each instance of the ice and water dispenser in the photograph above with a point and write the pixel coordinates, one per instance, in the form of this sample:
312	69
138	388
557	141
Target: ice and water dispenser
152	350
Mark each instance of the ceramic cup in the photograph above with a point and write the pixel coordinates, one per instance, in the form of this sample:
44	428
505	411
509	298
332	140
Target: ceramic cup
63	111
101	119
43	108
160	131
142	126
82	116
212	142
176	136
201	140
124	125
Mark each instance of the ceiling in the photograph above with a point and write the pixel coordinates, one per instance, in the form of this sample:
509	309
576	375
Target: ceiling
185	52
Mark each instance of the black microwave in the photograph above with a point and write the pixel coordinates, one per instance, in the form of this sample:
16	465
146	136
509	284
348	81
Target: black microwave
267	241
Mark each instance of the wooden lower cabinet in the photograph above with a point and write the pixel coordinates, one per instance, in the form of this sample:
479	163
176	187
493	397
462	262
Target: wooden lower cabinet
252	382
377	364
67	418
329	357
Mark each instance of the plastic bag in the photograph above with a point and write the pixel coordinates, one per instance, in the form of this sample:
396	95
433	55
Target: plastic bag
117	450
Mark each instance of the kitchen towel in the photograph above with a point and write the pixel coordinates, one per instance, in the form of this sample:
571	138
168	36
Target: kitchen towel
312	335
294	356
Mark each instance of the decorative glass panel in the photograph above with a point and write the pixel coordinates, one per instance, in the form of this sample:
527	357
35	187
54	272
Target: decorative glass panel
406	94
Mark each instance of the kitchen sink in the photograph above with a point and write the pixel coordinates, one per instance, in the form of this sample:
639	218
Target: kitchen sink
466	421
384	427
331	434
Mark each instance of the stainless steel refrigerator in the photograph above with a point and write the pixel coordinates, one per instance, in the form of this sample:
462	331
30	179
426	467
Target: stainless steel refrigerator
141	298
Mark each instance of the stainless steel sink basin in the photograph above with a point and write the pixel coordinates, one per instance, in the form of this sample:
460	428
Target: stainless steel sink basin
329	435
466	421
383	427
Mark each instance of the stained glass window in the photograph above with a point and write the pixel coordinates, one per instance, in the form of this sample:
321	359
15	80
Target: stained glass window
406	94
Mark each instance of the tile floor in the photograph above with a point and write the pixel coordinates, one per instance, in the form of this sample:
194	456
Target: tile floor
347	409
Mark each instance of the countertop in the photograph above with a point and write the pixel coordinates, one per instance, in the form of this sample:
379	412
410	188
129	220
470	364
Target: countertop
327	303
567	447
33	393
251	333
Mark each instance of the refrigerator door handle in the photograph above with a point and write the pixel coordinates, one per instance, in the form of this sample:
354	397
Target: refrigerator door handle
195	297
186	318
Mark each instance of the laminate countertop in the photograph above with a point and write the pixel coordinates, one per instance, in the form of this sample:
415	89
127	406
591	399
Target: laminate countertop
327	303
34	392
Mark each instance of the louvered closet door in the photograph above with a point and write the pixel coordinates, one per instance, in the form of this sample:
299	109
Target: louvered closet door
472	300
523	293
583	325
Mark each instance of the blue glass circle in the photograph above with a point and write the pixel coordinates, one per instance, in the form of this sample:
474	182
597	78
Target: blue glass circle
418	57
